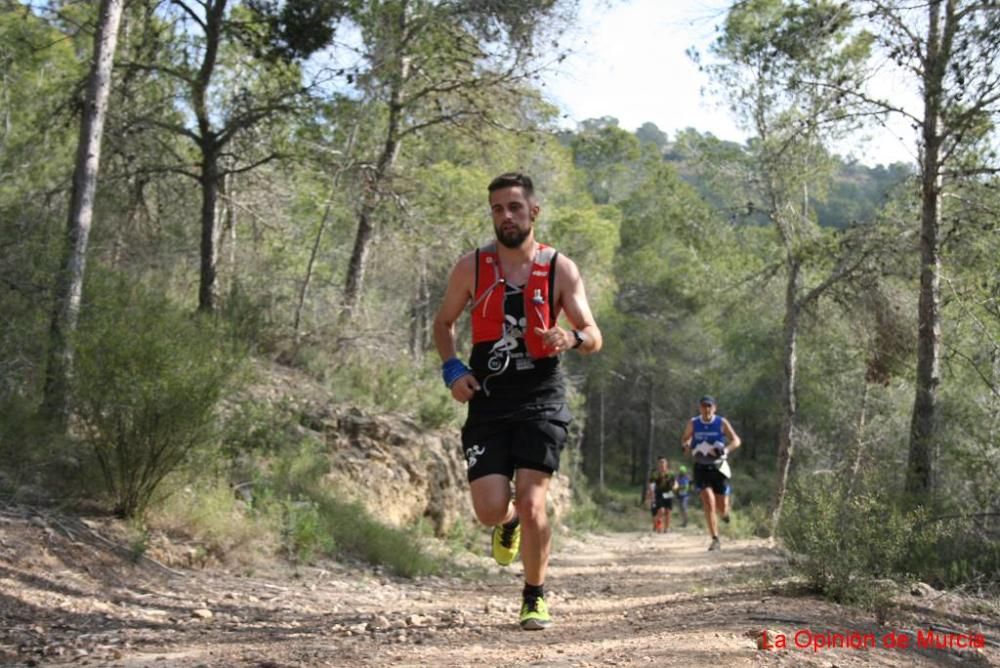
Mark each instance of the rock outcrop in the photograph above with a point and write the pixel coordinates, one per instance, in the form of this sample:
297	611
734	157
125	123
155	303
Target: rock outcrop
402	473
395	468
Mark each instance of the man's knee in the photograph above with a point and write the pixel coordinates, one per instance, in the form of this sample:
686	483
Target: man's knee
531	509
491	499
491	515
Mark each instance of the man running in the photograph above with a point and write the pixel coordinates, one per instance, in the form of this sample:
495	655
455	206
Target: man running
662	486
709	438
516	425
683	493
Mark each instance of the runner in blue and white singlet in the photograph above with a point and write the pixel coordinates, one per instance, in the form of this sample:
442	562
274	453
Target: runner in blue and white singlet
709	438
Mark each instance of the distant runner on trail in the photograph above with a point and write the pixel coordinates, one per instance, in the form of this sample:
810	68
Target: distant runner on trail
683	493
709	438
660	494
516	427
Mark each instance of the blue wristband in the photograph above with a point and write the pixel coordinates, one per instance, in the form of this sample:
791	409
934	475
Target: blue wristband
452	370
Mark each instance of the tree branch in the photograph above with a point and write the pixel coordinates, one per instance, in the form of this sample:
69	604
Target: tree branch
253	165
187	10
155	69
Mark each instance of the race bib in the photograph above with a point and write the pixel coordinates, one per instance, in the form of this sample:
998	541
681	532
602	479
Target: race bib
706	449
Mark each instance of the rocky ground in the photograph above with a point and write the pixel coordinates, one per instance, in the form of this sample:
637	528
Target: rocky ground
69	594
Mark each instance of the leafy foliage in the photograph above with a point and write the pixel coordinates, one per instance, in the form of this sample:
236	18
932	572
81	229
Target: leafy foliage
846	553
854	536
147	380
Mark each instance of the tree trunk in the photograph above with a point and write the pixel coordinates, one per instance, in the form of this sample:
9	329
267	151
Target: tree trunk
846	509
68	288
365	234
419	315
922	426
304	288
314	253
208	143
375	185
209	255
786	435
225	238
234	277
859	442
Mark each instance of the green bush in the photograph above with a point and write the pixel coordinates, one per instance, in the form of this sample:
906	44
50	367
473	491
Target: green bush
137	538
437	409
396	384
209	513
747	521
251	318
359	535
849	547
608	509
33	452
966	552
305	536
147	380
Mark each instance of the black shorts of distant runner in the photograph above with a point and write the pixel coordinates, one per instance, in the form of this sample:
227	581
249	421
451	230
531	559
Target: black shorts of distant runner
708	476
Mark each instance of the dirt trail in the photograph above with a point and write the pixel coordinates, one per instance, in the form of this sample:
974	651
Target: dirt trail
618	600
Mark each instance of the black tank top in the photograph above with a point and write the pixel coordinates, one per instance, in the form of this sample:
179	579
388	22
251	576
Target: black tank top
515	387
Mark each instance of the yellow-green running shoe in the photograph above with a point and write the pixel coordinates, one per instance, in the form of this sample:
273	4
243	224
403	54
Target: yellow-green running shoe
506	542
535	614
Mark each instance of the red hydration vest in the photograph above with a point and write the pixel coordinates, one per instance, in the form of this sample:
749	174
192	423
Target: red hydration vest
488	318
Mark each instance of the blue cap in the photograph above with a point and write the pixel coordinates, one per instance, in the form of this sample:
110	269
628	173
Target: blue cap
708	399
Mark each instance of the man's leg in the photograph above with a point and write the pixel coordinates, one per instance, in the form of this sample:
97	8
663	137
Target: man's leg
722	503
492	503
708	502
666	519
532	489
536	534
491	499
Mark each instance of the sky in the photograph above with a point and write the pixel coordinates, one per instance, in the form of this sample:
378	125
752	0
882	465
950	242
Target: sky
630	62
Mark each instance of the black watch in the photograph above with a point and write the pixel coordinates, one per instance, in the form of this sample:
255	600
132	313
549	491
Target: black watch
577	339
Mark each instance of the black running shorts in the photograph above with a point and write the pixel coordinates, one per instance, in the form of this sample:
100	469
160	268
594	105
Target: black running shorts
707	476
502	448
660	502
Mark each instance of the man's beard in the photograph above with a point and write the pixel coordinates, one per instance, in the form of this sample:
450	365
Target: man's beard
512	239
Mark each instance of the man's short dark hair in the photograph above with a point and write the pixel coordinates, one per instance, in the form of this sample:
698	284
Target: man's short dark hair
510	180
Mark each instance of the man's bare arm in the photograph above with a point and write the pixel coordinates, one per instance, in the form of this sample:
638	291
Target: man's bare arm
686	438
456	296
573	296
734	440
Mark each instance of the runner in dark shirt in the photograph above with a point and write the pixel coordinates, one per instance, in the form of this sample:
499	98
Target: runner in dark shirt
516	427
662	487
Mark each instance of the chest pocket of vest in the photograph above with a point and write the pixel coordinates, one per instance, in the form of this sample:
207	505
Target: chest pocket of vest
488	312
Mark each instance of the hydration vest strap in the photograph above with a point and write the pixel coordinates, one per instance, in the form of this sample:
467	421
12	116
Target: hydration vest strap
552	285
497	278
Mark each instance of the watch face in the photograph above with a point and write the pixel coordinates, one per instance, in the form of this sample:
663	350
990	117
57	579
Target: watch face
579	338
